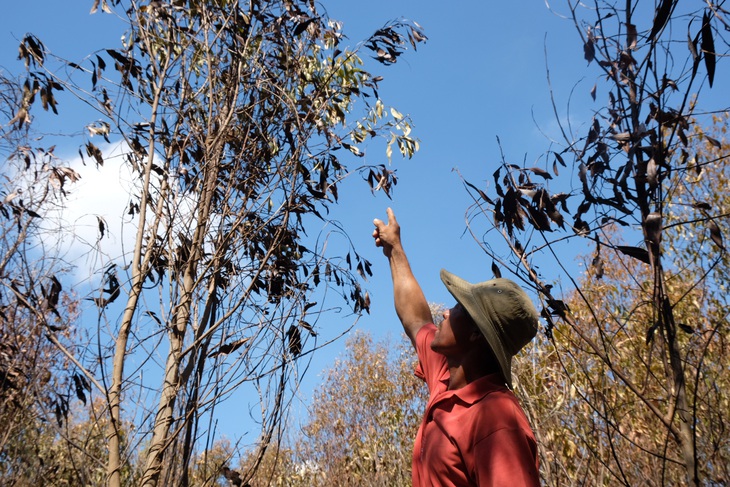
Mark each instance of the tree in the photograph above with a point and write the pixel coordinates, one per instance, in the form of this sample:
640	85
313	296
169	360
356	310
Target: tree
365	416
362	421
632	160
40	382
230	114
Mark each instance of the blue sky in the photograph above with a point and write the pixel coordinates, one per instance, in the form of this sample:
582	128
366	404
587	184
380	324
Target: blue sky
481	75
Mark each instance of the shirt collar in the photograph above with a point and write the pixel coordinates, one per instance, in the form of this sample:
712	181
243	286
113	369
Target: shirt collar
475	391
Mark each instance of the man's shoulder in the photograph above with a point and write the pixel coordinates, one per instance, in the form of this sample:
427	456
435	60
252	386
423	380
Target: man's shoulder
501	409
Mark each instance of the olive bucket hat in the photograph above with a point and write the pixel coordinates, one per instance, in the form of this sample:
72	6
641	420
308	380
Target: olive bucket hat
502	311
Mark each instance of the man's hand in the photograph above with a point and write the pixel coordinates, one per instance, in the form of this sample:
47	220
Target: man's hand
410	303
387	235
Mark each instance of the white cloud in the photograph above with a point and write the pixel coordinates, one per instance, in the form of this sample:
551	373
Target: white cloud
102	192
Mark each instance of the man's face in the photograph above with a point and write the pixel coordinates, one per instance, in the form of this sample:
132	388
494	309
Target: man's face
454	334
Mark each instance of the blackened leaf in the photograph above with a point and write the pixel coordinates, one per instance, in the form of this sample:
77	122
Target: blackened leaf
635	252
303	26
555	216
714	142
653	227
367	265
102	227
308	327
650	334
715	233
95	152
79	386
557	307
495	270
54	292
227	348
560	159
701	205
589	50
295	340
118	57
482	194
540	220
631	36
541	172
686	328
154	317
661	17
708	48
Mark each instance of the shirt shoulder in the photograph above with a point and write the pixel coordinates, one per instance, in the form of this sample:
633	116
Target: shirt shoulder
432	366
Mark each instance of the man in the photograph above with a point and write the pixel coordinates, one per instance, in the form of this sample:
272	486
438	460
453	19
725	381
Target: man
474	432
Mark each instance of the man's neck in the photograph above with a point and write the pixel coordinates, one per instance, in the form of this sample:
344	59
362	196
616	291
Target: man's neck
465	370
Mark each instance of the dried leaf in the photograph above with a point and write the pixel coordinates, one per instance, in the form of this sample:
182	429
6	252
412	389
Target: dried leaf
661	17
686	328
652	174
102	226
631	36
295	340
495	270
227	348
308	327
540	172
482	194
715	233
714	142
650	333
302	26
635	252
589	50
708	47
653	227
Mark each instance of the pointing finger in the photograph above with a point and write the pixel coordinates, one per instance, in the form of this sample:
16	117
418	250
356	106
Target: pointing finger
391	216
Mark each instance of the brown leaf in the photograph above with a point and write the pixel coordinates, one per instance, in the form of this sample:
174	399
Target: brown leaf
631	36
652	174
541	172
589	50
714	142
653	227
715	233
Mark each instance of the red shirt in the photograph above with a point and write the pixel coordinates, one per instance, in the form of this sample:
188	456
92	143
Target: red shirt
474	436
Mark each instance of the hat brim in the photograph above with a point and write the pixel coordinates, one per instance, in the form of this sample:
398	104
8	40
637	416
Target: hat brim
481	313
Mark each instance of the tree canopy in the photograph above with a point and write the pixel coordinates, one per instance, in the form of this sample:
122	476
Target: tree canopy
238	122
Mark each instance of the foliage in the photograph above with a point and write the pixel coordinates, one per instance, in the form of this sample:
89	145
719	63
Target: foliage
231	115
362	422
639	382
40	382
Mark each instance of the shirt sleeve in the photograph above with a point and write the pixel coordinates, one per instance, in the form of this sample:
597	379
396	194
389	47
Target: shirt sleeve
507	458
432	366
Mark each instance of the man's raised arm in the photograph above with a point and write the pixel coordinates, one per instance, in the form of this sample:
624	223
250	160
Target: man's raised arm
410	303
